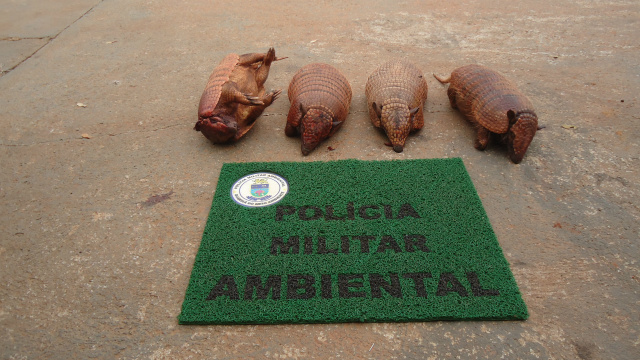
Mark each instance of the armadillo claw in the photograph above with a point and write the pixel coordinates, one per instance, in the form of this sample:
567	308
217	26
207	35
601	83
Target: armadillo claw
253	99
275	94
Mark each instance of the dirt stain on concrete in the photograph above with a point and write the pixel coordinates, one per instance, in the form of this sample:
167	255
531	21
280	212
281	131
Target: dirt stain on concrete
156	199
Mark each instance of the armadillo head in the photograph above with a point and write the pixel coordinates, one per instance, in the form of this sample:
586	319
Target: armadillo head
523	127
396	120
219	128
315	126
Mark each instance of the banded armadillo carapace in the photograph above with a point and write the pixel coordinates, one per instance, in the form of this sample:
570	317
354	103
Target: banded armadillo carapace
396	92
235	96
495	106
320	97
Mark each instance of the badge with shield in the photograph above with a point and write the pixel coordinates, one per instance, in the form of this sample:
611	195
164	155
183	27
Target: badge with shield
260	189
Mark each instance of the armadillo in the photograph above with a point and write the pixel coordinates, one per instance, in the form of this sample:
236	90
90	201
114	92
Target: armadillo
320	97
396	92
494	105
235	96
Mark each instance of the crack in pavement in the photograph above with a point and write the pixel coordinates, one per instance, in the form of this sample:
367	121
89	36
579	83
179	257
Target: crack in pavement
49	39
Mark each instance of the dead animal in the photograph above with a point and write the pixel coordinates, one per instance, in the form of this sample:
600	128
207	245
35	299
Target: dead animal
235	96
396	92
493	105
320	97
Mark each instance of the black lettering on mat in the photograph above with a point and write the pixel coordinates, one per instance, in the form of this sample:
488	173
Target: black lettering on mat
388	242
344	244
308	245
330	215
363	212
322	246
407	210
346	282
450	283
303	213
477	289
278	242
254	282
298	282
283	210
415	241
300	286
418	282
367	212
225	286
364	242
377	283
325	286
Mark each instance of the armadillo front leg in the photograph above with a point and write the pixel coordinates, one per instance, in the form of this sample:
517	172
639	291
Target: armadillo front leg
452	97
270	97
293	119
417	120
482	138
230	93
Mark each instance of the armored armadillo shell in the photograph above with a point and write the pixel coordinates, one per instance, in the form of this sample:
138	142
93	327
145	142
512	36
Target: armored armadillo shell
397	80
321	85
213	90
489	95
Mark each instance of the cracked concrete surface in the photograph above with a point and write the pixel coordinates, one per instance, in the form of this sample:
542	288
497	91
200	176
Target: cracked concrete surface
100	233
26	26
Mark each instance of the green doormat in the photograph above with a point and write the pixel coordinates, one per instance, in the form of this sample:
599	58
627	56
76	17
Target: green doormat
348	241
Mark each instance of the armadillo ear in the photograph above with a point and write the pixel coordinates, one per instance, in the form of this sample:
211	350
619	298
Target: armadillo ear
336	124
377	109
512	116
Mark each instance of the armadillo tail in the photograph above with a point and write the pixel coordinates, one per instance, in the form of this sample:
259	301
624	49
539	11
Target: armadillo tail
443	80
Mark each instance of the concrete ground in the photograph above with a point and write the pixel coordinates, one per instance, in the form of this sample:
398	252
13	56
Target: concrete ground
103	204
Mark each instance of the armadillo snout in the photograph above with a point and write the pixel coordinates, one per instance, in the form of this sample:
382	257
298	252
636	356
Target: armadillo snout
309	144
316	126
305	151
218	130
522	133
396	122
398	139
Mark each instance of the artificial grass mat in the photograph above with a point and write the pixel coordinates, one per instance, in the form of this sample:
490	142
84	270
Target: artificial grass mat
352	241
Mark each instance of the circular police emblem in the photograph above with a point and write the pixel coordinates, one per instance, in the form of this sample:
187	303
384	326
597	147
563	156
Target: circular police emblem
259	189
